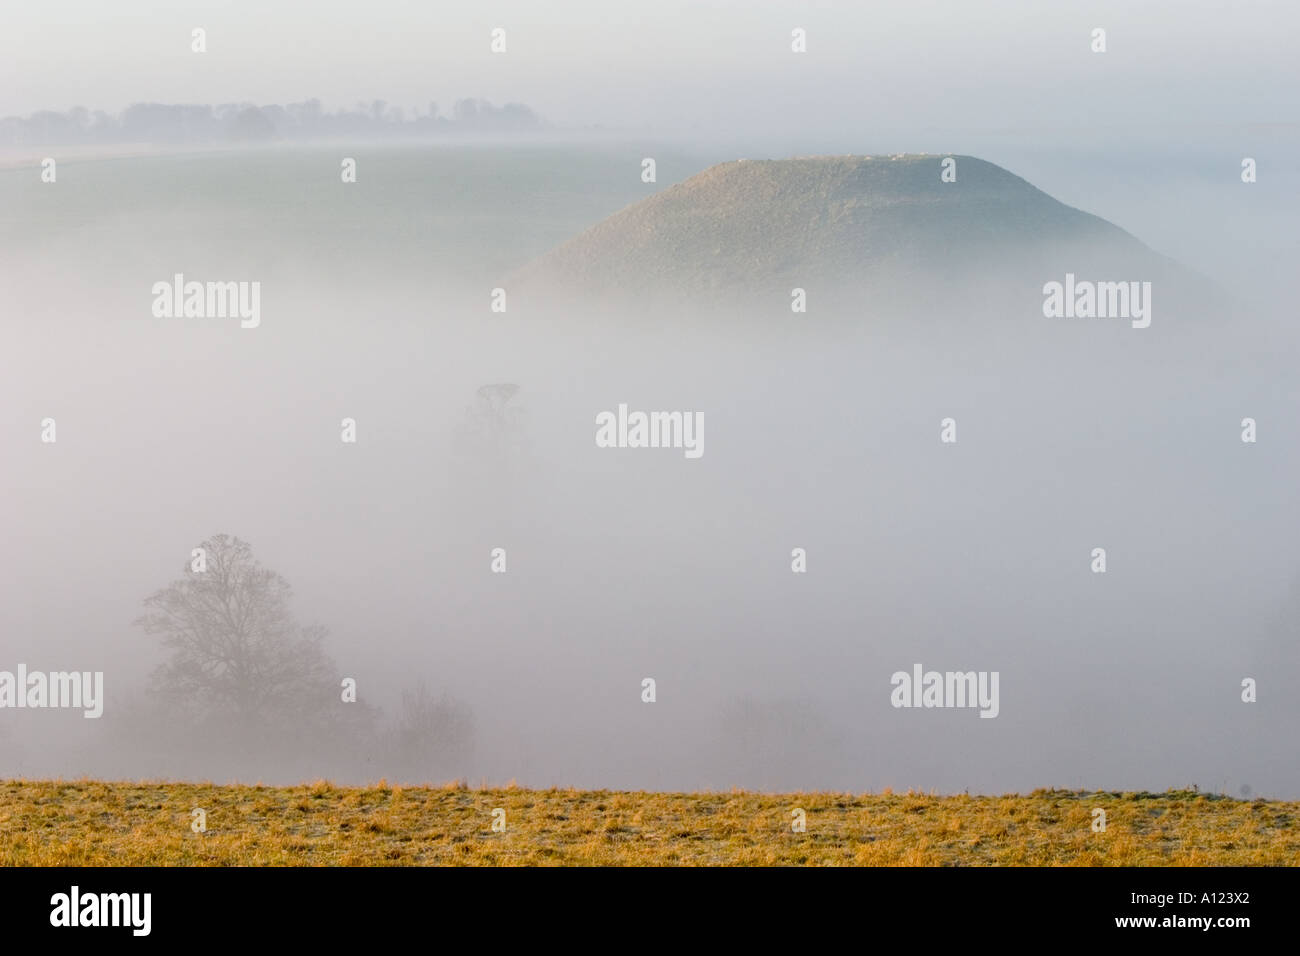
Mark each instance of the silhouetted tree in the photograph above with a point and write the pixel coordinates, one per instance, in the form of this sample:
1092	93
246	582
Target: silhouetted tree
434	737
235	646
493	435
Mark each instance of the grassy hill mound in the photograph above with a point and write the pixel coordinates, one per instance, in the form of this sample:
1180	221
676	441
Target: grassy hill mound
847	229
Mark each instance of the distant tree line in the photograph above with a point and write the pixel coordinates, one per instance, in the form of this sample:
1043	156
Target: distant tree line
247	122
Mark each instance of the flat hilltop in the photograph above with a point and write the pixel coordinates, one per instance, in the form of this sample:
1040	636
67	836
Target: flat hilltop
88	823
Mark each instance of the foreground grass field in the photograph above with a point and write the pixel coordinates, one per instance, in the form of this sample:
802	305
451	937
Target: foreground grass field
88	822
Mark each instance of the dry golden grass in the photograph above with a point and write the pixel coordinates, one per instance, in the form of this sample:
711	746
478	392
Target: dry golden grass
86	822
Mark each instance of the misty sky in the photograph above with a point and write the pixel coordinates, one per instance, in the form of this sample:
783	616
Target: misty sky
720	70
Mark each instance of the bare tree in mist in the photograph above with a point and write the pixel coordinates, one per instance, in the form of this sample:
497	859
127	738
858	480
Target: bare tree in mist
246	690
493	454
236	648
493	432
433	738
